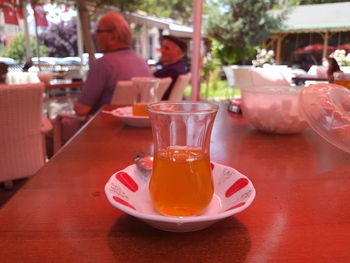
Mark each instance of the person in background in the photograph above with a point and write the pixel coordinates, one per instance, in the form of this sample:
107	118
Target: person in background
171	61
3	72
27	65
113	38
332	67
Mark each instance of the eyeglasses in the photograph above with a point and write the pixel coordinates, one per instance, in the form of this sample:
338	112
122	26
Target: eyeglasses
98	31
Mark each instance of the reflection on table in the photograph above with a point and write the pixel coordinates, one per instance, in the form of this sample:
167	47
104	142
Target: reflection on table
301	211
63	84
63	89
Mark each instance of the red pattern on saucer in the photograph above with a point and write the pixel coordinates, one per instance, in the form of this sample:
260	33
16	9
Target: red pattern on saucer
212	166
236	186
126	180
123	202
236	206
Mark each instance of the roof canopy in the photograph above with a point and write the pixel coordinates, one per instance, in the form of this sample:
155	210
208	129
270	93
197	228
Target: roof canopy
174	29
322	17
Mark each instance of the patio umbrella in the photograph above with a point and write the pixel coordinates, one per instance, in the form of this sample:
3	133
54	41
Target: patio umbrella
345	46
314	48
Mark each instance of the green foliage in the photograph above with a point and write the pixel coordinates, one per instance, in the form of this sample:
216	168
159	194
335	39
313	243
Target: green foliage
211	73
229	54
61	39
16	48
123	5
220	92
311	2
181	10
241	27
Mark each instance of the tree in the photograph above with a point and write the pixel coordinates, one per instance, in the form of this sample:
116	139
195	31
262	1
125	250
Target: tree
61	39
86	10
311	2
240	26
16	48
180	10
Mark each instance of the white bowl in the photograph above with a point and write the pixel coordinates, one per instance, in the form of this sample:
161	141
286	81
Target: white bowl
273	109
127	190
125	115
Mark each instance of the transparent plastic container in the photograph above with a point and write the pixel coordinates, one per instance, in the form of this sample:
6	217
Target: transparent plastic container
273	109
326	108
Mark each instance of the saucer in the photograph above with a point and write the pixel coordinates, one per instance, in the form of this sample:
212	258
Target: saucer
128	191
125	115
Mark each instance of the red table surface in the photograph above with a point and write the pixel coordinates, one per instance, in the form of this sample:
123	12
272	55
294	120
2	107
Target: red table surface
301	212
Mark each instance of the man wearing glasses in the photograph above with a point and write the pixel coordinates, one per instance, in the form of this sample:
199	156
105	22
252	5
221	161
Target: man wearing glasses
113	38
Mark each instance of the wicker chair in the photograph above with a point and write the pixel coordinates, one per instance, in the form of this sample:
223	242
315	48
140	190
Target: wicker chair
22	129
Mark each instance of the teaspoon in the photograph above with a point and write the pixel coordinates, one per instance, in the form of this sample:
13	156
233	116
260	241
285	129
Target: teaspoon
144	162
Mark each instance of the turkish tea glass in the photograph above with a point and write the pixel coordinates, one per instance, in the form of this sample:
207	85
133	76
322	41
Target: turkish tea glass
146	92
342	79
181	182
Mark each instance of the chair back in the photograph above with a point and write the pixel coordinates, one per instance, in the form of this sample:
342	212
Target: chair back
179	87
228	70
242	77
125	92
268	77
312	70
163	86
21	151
13	78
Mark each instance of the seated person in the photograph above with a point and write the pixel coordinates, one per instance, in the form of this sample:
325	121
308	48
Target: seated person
332	67
171	62
3	72
113	38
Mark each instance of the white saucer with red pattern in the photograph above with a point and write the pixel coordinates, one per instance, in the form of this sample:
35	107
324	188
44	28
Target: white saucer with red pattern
127	190
126	116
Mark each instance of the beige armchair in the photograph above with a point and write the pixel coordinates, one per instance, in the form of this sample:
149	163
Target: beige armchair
179	87
67	124
22	130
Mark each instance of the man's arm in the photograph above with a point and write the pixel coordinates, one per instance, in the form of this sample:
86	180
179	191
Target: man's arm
91	91
81	109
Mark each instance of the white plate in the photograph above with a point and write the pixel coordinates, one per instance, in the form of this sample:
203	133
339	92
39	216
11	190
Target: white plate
125	114
127	190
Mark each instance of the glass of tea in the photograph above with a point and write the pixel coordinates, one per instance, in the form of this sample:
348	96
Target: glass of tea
146	92
181	182
342	79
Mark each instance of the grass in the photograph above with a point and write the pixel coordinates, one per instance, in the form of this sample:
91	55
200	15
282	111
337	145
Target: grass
220	91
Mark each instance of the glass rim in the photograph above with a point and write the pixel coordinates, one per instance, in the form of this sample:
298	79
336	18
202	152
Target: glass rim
212	109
